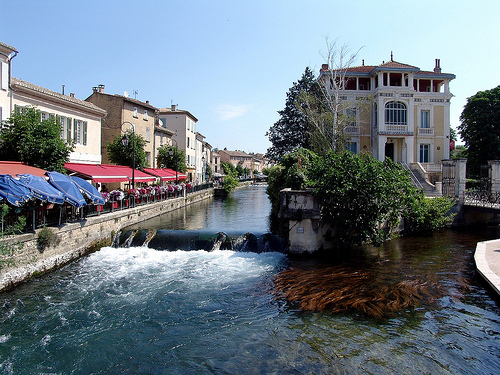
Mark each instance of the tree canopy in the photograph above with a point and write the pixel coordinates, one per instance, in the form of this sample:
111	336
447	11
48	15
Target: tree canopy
362	197
292	129
26	138
480	129
123	155
176	161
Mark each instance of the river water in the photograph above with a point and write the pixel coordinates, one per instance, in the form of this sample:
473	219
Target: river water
158	310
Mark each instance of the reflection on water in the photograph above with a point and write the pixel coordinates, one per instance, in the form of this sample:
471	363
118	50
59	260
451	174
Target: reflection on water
143	310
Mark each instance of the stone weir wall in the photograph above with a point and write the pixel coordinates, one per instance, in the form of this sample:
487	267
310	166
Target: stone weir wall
75	240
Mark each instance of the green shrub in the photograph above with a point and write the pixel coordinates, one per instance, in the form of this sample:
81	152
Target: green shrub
45	238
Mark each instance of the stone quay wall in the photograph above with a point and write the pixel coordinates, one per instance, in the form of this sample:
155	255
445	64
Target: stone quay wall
75	240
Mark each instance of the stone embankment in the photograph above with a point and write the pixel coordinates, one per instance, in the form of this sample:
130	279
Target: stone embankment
74	240
487	258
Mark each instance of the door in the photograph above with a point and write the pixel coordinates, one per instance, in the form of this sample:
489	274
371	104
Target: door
389	151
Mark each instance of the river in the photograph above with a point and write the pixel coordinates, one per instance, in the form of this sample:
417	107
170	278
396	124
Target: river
167	310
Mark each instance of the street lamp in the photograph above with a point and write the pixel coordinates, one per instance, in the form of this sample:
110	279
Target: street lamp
203	169
173	152
125	141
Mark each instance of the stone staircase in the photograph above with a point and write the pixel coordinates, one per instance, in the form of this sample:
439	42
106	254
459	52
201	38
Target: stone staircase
420	182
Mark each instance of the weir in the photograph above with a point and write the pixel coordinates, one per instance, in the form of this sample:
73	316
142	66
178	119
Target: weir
188	240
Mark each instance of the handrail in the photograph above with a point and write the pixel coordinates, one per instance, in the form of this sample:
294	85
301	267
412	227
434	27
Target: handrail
414	178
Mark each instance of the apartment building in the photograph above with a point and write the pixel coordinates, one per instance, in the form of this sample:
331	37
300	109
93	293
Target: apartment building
80	121
396	110
250	161
183	124
7	53
125	113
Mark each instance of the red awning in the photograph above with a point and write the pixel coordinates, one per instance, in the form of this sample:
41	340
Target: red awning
16	167
139	176
165	174
97	172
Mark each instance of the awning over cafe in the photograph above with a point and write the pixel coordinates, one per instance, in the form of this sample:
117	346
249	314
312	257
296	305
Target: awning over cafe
16	167
106	173
96	172
165	174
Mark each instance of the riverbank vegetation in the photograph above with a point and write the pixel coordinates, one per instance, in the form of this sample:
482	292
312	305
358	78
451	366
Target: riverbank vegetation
362	199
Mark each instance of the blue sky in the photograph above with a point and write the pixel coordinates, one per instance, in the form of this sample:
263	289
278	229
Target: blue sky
231	63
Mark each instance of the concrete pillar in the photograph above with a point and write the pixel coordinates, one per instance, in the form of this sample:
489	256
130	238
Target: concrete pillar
495	175
460	179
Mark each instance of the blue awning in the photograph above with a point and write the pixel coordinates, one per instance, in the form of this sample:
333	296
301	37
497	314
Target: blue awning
88	189
64	184
42	189
15	192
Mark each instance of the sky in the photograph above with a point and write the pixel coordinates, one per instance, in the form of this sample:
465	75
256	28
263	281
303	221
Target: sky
230	63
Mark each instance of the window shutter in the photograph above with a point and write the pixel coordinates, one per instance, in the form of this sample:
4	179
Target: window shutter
68	129
84	133
75	130
4	67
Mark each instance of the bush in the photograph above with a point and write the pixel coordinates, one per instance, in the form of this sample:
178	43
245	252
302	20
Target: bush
45	238
425	215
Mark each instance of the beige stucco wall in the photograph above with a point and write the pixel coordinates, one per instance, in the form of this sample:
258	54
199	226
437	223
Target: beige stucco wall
89	153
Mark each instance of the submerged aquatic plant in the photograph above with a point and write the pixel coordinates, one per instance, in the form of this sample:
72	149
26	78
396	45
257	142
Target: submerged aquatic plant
341	289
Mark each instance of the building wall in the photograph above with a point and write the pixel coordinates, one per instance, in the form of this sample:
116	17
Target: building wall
184	126
121	112
90	152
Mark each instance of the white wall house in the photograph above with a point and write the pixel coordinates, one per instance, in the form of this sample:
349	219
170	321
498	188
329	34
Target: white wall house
7	53
80	120
396	110
183	124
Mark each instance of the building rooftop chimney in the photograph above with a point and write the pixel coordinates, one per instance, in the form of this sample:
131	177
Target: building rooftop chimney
437	68
173	107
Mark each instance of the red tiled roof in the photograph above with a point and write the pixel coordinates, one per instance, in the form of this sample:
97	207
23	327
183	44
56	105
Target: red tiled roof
16	167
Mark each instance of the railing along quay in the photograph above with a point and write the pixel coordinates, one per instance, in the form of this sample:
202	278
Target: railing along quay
54	215
481	198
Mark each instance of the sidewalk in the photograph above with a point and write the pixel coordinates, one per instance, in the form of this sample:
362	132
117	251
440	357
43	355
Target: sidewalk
487	257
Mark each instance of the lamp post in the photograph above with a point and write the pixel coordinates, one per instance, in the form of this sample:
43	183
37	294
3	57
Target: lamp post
125	141
173	152
203	169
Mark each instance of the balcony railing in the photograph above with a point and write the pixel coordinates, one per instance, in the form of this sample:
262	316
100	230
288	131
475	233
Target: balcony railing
351	130
395	130
425	131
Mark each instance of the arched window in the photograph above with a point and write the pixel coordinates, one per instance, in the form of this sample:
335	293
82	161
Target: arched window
395	113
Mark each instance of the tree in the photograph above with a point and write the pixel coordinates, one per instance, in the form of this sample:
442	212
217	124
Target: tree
361	197
230	181
172	157
330	113
292	130
229	169
124	155
480	129
26	138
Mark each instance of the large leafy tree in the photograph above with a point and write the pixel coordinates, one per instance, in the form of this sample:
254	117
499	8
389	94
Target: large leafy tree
171	157
480	129
26	138
292	129
124	155
362	198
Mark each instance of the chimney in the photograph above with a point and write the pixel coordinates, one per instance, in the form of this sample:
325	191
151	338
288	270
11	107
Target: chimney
100	89
437	68
147	101
72	94
173	107
324	67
